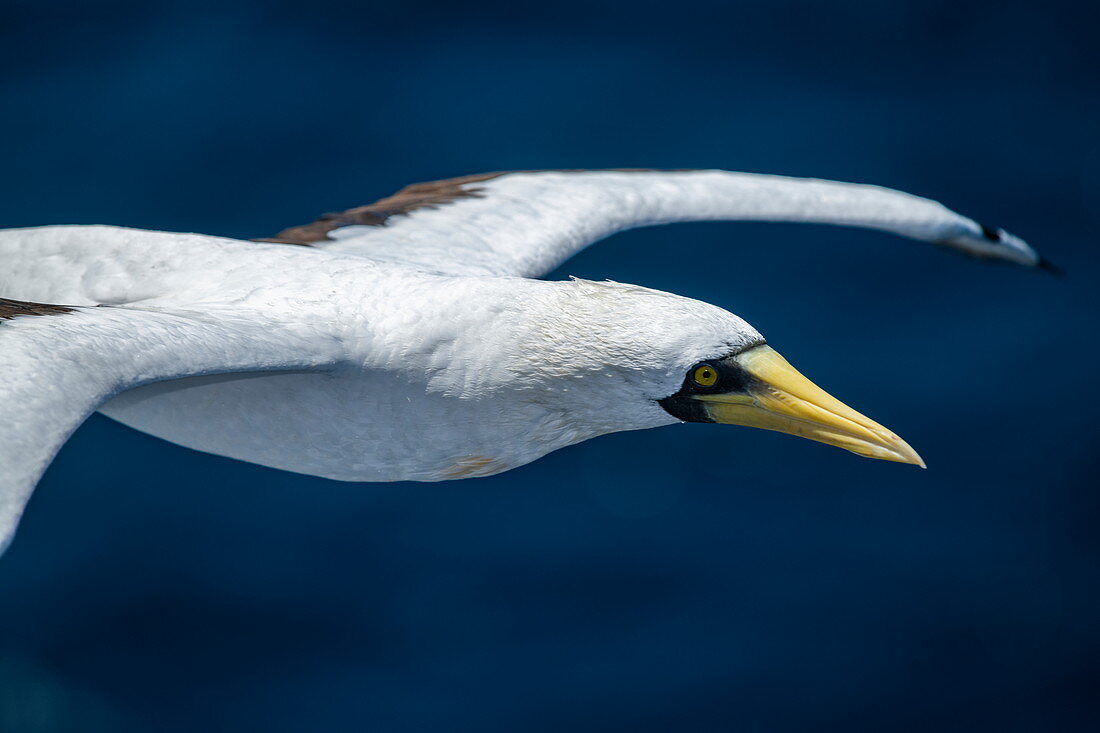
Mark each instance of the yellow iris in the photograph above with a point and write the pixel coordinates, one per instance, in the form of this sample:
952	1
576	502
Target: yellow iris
705	375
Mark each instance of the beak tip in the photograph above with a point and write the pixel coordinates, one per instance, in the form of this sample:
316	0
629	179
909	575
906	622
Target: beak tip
902	451
908	455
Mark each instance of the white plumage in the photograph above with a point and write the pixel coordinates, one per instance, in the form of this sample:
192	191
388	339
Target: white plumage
406	340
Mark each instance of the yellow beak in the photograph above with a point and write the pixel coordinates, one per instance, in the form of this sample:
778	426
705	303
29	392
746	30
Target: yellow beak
778	397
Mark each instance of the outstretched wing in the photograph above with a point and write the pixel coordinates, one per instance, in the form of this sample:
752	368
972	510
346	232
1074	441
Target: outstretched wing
59	363
526	223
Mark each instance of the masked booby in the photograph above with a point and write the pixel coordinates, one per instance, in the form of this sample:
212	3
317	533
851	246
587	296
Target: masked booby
408	339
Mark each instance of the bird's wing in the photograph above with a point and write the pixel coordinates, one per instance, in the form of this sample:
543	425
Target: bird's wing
59	363
526	223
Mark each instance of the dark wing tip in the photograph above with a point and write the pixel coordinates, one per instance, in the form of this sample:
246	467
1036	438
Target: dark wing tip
1047	266
993	234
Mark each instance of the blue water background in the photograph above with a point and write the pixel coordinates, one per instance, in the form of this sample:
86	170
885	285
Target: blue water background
692	578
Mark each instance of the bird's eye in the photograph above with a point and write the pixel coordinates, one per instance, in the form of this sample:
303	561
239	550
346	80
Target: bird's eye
704	375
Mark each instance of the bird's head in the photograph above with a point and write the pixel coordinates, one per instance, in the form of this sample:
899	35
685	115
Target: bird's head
622	357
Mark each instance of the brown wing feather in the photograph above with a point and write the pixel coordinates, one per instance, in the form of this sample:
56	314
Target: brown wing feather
13	308
411	197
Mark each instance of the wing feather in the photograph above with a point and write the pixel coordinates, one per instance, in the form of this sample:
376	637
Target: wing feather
59	363
525	223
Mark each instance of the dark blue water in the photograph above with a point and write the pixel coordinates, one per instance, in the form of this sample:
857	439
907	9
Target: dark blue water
692	578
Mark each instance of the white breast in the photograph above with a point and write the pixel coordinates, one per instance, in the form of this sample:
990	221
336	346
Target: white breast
366	426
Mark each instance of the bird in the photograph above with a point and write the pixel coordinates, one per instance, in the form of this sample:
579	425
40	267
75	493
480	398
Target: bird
411	338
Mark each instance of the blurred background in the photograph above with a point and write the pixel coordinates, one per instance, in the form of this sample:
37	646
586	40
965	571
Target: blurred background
691	578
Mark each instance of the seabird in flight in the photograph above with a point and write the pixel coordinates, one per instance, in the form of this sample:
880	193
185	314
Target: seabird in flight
409	339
